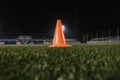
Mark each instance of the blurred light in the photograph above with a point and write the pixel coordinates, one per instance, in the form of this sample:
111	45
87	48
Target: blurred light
63	27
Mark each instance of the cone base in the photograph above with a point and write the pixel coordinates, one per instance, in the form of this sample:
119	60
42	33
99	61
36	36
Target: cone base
60	45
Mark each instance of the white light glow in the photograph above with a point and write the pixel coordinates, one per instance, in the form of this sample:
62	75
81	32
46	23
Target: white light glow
63	27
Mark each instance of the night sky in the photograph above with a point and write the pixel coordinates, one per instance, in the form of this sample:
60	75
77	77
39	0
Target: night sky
78	18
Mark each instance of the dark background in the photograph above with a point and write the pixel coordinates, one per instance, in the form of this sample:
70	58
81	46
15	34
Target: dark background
79	18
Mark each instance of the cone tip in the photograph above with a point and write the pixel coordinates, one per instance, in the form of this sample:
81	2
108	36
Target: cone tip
58	19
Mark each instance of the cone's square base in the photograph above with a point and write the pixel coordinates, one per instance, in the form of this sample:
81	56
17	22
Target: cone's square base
60	45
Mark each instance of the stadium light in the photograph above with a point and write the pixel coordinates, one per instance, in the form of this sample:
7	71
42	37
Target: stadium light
63	27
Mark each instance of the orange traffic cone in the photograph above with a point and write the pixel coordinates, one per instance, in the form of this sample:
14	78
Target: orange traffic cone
59	38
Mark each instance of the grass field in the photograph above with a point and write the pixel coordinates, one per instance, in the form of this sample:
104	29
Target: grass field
80	62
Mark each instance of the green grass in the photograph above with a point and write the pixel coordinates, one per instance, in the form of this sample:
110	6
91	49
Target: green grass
80	62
